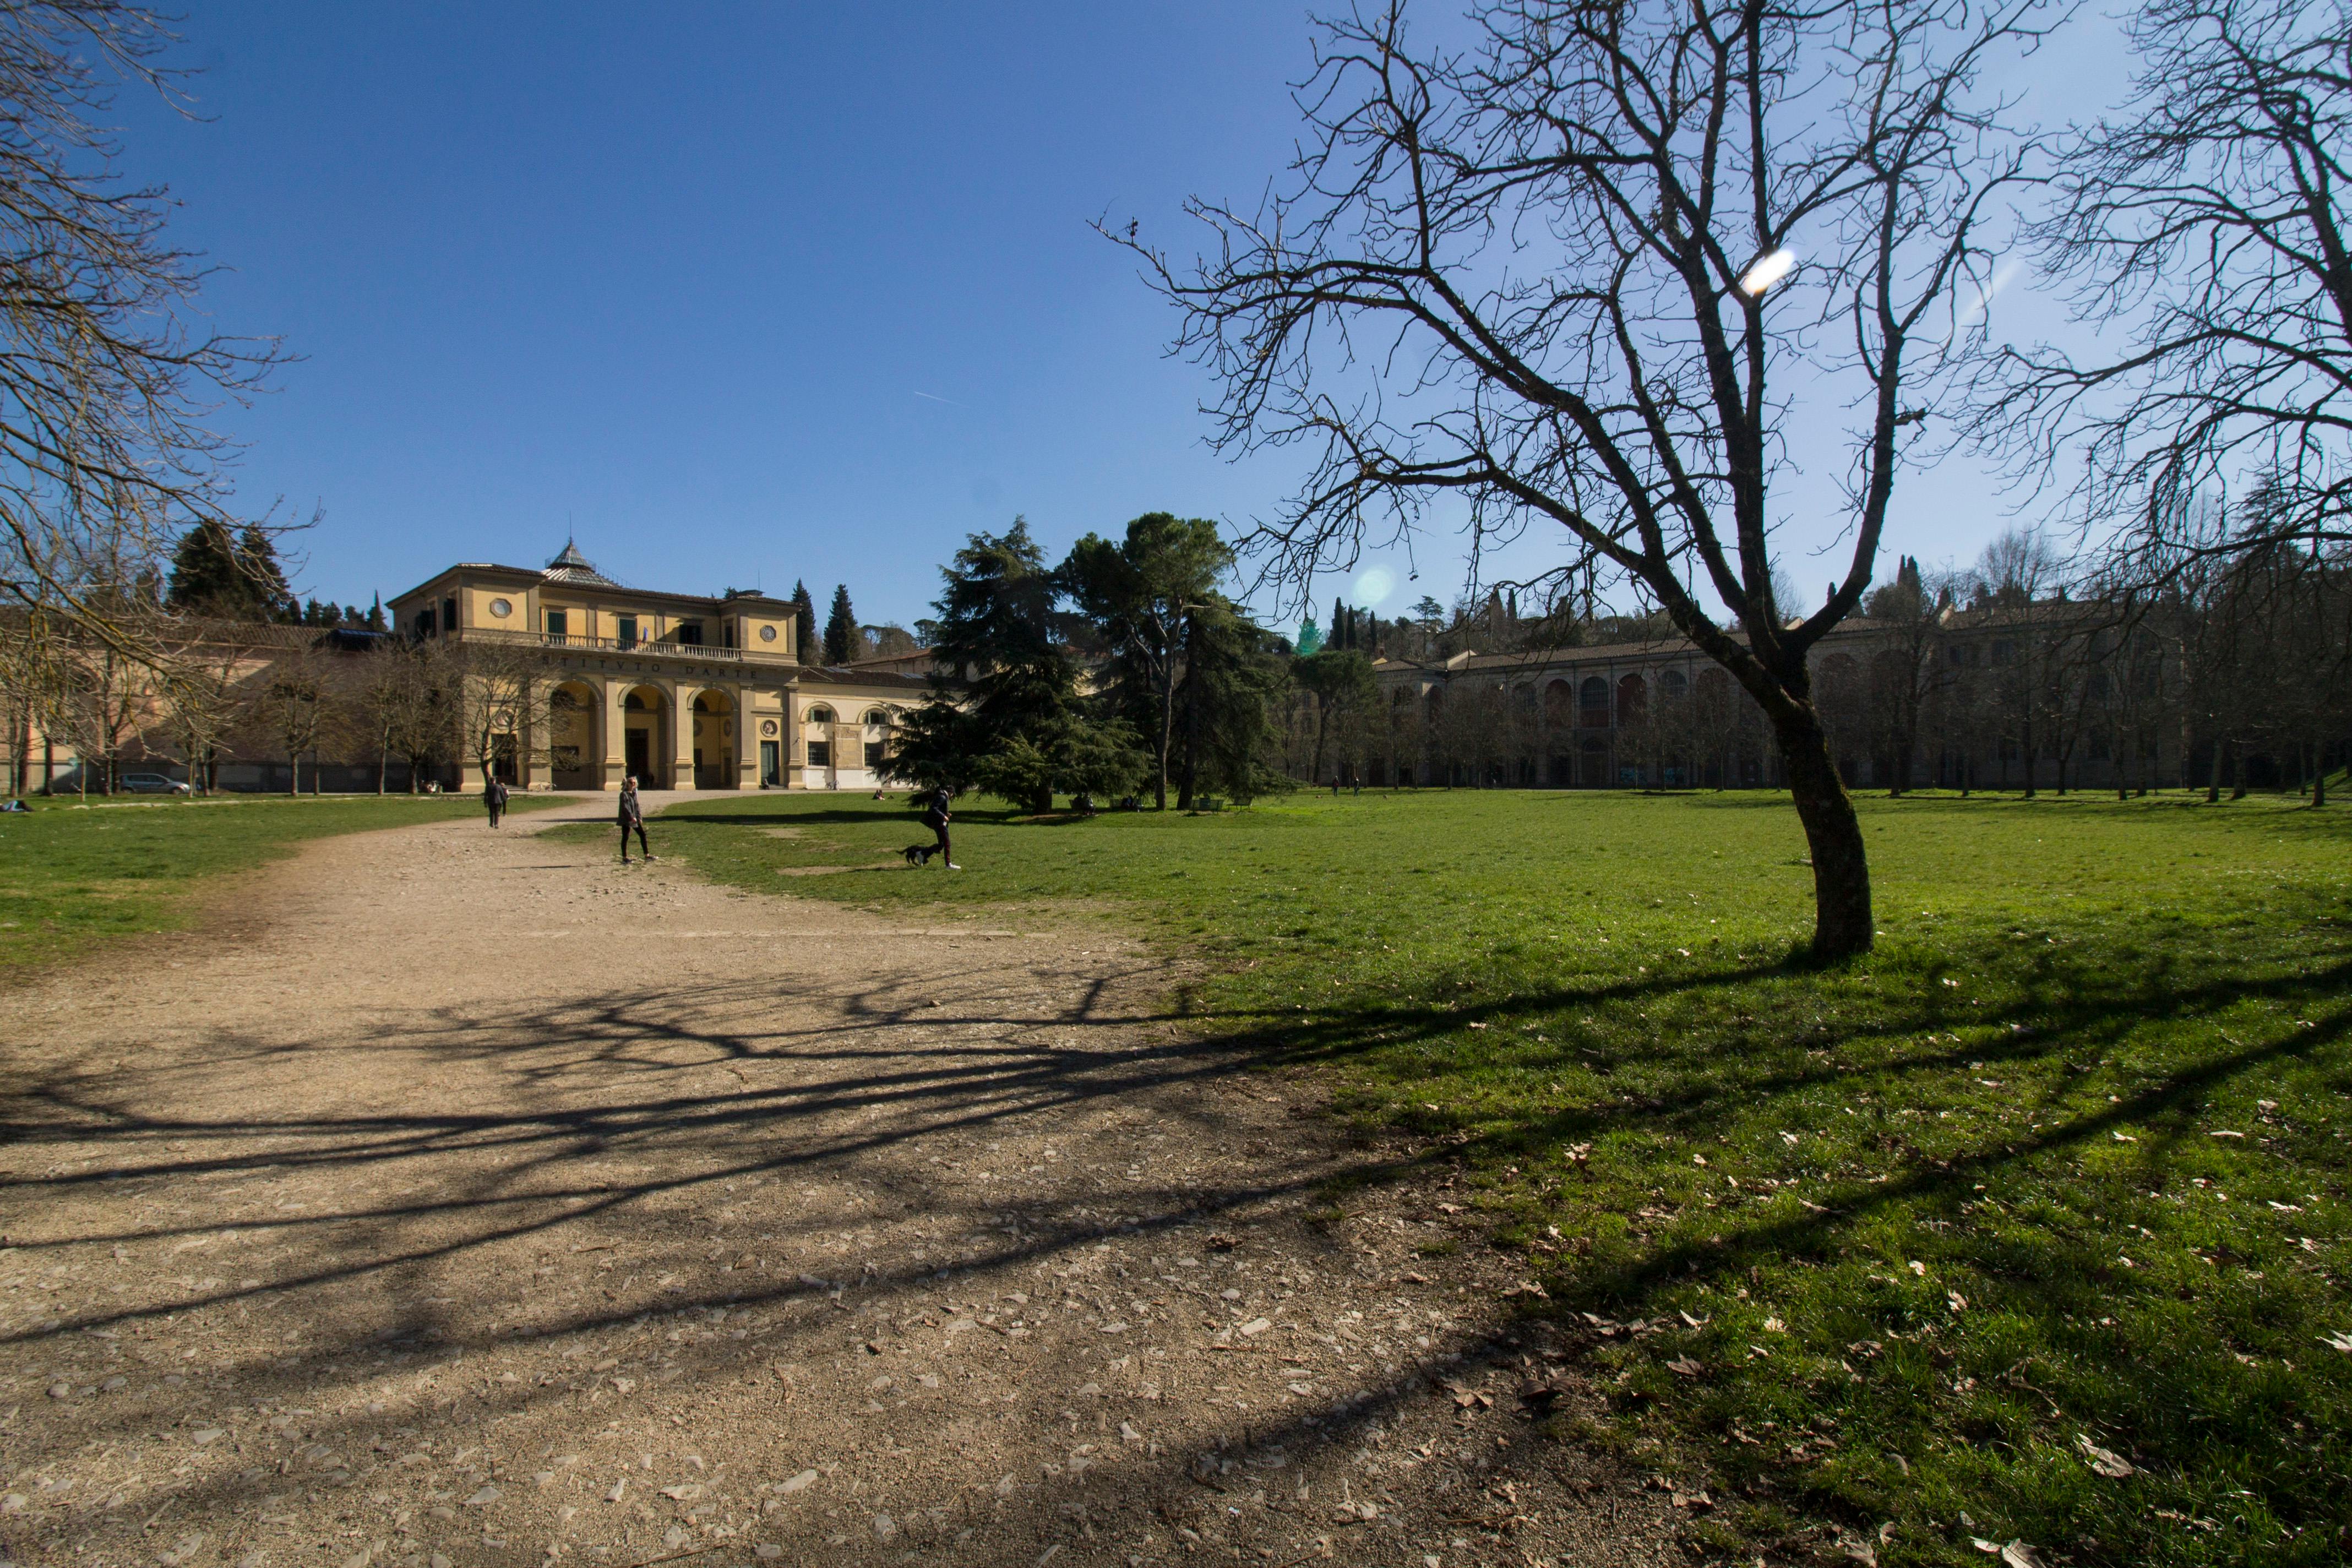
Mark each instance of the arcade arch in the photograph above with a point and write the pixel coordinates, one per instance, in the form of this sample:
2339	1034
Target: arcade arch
714	739
645	735
575	748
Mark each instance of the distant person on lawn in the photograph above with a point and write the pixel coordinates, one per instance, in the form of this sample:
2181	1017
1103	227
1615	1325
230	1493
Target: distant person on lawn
494	795
632	815
936	816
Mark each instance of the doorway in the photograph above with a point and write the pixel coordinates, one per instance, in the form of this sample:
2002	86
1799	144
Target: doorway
639	752
771	768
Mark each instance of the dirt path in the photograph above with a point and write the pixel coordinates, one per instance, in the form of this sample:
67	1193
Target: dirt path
477	1201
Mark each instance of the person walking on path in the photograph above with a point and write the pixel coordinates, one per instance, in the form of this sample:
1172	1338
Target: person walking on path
632	815
494	795
936	816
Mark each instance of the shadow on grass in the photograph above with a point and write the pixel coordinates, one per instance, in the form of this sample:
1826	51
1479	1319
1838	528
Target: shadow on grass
609	1076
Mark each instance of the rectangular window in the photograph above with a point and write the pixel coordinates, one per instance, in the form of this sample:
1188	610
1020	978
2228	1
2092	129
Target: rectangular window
425	623
820	753
690	634
557	623
627	630
876	753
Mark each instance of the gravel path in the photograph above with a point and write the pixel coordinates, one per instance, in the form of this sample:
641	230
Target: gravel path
464	1198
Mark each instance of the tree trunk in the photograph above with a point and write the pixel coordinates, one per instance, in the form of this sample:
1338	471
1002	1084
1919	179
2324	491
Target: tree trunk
2214	782
1842	925
1167	723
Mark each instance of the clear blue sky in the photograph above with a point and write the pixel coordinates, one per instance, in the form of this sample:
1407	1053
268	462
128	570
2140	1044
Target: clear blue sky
738	293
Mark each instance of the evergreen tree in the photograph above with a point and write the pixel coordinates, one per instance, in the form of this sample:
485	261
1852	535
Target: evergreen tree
1020	730
205	579
1235	675
214	574
804	622
375	614
1136	594
841	637
258	557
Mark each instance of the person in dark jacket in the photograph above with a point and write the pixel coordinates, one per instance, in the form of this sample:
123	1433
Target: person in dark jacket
632	815
936	816
494	795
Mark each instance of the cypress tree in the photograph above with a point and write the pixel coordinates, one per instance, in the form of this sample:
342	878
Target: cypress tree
841	637
804	610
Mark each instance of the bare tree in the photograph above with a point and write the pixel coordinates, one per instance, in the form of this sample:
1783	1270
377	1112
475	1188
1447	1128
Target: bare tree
292	701
207	695
105	388
1572	250
2020	571
2204	228
500	696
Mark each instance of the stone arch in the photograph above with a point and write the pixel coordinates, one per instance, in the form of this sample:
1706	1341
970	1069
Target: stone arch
646	738
715	737
1592	703
1559	703
575	744
1633	701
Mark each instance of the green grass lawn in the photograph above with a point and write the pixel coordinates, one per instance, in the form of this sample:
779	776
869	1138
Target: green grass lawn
2052	1184
73	877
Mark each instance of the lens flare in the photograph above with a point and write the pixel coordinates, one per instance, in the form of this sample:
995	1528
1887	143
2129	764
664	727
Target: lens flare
1767	271
1373	586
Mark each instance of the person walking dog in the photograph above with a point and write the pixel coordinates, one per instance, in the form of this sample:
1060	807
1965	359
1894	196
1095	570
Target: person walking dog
936	816
494	795
632	815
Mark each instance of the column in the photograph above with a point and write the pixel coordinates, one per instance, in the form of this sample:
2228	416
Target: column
747	738
681	733
614	725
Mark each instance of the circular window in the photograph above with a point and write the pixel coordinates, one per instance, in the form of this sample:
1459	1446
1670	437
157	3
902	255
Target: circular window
767	633
767	726
501	608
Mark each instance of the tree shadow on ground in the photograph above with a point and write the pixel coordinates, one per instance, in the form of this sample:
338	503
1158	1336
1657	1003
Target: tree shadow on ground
580	1098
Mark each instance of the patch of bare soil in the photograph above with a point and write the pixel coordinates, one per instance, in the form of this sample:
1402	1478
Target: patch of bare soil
480	1201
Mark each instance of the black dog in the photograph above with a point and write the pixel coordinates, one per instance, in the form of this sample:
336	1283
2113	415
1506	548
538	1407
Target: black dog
919	854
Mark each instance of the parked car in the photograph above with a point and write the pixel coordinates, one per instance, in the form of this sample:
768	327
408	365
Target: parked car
152	784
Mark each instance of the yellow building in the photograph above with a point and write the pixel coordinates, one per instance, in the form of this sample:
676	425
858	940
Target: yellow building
680	690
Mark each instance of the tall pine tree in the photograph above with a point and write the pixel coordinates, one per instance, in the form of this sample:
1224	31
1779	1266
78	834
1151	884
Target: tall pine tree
840	638
803	622
217	574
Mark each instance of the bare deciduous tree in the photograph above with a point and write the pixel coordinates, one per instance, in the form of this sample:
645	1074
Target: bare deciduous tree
2204	227
293	699
499	694
1541	275
105	386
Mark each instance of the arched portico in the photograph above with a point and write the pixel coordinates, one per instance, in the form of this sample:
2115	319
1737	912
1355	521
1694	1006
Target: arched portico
644	733
575	748
715	736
